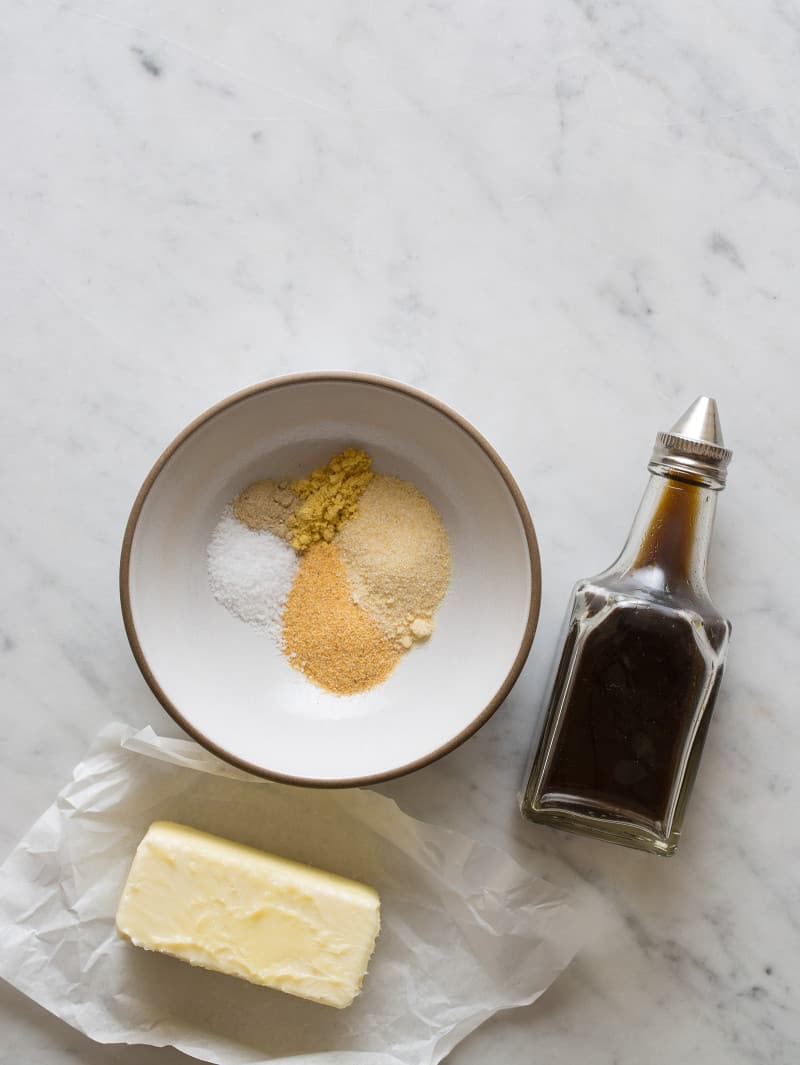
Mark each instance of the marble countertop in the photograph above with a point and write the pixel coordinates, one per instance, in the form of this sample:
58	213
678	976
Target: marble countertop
566	221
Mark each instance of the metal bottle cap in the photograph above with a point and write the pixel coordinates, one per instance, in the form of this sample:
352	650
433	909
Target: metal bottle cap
694	447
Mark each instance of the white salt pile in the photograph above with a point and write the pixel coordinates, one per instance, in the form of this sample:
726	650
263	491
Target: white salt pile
251	572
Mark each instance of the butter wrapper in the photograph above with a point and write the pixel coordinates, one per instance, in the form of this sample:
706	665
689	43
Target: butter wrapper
466	931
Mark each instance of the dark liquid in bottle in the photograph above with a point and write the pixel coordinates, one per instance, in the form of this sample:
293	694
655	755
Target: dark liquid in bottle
637	683
639	679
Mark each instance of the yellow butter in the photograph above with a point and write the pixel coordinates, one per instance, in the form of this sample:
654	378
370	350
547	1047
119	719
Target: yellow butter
237	910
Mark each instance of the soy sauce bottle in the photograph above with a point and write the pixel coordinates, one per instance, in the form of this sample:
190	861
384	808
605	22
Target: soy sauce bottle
642	661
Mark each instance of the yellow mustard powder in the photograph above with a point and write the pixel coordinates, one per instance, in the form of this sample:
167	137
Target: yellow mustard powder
329	497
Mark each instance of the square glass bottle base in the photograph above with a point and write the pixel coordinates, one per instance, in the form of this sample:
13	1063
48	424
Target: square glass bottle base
628	835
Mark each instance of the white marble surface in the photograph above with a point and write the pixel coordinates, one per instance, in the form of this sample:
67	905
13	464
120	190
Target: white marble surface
564	219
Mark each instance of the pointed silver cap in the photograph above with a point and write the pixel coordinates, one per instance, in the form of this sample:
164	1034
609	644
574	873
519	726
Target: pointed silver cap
694	447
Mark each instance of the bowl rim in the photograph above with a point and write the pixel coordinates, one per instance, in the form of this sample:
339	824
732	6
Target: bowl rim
322	377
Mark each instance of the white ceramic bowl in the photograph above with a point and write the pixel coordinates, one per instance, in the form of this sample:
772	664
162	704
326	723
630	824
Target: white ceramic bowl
223	681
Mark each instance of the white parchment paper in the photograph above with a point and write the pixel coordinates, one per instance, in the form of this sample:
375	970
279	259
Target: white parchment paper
465	930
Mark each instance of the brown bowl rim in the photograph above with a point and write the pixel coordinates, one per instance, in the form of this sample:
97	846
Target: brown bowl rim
316	378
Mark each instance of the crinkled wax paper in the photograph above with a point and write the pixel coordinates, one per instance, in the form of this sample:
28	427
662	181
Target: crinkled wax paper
465	930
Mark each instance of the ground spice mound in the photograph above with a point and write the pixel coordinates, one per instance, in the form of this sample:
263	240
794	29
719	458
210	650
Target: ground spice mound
397	555
326	635
330	497
267	505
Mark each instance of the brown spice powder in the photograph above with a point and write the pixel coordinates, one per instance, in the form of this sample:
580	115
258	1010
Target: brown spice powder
267	505
326	635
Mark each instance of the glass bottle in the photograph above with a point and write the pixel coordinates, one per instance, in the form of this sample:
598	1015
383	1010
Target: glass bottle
642	661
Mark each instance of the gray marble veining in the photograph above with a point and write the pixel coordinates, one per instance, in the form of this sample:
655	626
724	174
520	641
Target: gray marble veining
566	220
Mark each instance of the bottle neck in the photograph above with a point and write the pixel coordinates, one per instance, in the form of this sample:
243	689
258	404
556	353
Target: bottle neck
667	548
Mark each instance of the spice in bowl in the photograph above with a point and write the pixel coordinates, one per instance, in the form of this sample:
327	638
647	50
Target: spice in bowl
269	506
330	496
326	634
397	555
343	570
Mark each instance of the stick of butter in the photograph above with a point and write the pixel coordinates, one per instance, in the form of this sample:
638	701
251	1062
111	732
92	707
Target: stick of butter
237	910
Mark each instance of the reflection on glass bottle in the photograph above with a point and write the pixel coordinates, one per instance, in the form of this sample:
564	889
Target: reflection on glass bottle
642	661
